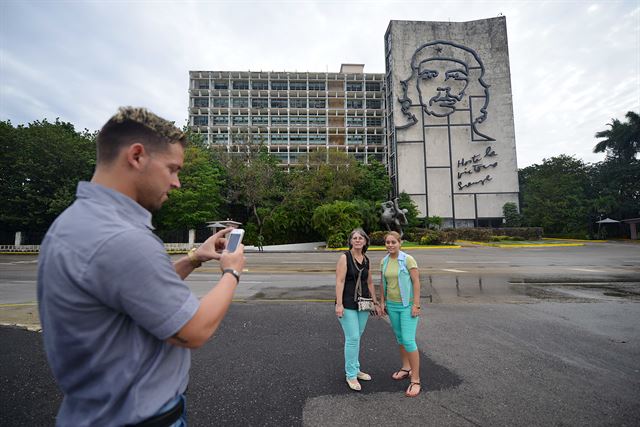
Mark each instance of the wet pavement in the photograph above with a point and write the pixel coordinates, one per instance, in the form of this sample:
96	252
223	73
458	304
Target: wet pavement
511	337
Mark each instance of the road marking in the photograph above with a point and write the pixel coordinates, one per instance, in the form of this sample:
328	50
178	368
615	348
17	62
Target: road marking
453	270
588	270
19	262
477	262
307	262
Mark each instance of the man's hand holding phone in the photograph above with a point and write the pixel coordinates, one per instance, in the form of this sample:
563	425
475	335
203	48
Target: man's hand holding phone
232	258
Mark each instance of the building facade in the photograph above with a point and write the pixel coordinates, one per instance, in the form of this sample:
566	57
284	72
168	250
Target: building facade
451	137
440	117
291	113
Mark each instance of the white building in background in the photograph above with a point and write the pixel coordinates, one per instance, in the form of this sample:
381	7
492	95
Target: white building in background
451	138
292	113
440	117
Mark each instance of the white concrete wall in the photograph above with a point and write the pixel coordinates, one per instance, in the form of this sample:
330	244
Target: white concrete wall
487	182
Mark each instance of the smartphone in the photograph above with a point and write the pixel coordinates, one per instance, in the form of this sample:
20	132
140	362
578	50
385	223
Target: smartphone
234	238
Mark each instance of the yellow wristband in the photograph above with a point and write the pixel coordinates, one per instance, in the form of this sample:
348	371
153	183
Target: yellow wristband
195	262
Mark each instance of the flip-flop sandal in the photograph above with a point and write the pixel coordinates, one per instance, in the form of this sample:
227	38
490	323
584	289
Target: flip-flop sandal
355	386
364	376
406	393
403	377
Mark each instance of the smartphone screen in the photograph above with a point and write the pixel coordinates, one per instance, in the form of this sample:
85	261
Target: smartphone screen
235	237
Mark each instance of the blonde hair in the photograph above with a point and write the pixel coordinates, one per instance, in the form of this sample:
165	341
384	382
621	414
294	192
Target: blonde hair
394	234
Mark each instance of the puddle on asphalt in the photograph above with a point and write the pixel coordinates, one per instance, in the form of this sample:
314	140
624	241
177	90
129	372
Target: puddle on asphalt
446	289
489	289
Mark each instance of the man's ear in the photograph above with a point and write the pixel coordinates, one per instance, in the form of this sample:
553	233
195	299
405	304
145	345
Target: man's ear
136	155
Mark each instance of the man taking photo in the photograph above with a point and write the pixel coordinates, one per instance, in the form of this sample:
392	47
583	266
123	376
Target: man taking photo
118	319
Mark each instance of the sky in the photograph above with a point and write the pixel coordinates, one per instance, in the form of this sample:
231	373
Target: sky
575	65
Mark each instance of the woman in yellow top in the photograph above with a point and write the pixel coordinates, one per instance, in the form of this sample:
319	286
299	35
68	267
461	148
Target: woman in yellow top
400	295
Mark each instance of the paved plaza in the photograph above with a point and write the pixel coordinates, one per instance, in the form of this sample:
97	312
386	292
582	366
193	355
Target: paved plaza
527	336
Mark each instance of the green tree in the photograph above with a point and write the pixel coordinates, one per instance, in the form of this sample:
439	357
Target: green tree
511	215
199	198
40	167
621	140
334	221
256	182
556	195
406	202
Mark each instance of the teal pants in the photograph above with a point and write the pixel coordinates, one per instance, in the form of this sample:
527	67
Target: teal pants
403	324
353	323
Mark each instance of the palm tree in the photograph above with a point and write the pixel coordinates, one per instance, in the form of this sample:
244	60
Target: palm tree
622	140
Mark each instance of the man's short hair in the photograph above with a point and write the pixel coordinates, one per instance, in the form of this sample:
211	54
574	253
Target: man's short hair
130	125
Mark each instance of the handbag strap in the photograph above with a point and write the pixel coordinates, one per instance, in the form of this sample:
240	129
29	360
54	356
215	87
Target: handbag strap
358	290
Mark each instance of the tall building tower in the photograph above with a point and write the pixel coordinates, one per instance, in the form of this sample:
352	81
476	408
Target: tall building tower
450	134
291	113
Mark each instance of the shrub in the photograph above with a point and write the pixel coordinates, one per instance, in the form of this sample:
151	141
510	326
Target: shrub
449	237
414	235
432	237
377	238
337	240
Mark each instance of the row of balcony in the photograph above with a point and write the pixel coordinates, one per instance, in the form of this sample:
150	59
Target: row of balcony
317	77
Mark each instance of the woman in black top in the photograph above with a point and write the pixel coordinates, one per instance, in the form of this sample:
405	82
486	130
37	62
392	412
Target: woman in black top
353	279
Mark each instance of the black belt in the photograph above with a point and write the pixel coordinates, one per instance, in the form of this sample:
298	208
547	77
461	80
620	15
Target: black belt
166	419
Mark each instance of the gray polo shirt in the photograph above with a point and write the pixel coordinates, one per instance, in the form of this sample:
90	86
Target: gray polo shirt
109	297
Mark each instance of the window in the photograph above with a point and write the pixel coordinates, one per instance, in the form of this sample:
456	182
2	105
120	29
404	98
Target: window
373	86
374	139
279	120
278	85
374	121
354	103
374	103
317	86
317	121
202	84
260	120
260	85
240	120
317	103
260	103
298	120
298	85
355	121
241	84
354	86
298	139
220	85
221	102
355	139
200	102
279	139
240	102
317	139
220	120
220	138
200	120
298	102
279	103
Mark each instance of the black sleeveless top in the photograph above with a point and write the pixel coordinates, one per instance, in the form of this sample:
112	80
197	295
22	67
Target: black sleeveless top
350	281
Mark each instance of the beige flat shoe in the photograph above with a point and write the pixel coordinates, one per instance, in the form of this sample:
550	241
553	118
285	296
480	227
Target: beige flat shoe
354	385
364	376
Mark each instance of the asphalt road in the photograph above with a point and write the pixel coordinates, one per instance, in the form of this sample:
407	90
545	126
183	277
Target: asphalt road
483	364
547	336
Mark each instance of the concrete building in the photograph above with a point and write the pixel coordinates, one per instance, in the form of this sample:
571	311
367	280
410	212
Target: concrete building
451	138
440	117
292	113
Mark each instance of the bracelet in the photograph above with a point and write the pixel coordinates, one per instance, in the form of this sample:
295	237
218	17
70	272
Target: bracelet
233	272
195	262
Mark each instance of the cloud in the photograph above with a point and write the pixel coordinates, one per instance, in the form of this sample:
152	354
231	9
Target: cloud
574	66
